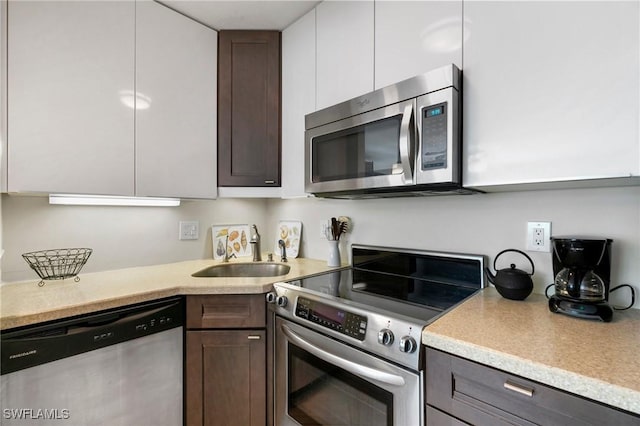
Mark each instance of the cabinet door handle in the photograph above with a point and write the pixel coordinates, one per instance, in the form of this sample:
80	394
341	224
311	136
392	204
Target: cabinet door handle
269	182
519	389
253	337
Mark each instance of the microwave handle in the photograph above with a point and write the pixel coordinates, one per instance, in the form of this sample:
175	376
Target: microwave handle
405	144
350	366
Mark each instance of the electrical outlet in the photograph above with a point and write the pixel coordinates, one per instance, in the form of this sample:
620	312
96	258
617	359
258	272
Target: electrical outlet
324	229
539	236
189	230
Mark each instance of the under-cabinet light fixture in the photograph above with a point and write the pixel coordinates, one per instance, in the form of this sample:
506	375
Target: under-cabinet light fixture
105	200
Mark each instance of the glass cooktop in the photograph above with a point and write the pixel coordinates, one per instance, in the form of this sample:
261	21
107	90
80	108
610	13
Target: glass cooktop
415	284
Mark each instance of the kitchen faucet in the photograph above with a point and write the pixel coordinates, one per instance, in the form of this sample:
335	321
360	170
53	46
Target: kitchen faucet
226	251
255	242
283	252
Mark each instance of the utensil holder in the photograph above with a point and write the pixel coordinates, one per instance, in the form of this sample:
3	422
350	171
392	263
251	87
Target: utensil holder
333	258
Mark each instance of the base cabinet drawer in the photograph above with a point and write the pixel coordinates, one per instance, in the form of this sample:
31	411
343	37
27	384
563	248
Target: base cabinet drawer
481	395
437	417
226	311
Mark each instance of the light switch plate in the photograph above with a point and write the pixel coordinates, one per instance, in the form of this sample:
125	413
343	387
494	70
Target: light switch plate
539	236
189	230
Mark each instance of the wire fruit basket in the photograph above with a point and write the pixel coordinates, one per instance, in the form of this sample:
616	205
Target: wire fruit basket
58	264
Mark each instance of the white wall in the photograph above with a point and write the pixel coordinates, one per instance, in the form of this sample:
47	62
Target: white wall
119	236
481	224
1	240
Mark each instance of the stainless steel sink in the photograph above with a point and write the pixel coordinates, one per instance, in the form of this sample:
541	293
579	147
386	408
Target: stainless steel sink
243	270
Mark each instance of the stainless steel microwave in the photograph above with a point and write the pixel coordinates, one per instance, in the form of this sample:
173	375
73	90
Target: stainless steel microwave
399	140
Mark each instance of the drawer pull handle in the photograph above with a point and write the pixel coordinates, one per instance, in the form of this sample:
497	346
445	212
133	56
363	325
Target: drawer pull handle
252	337
269	182
519	389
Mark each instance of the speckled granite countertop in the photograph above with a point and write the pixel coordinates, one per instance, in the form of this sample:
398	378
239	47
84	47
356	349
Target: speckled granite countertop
597	360
24	303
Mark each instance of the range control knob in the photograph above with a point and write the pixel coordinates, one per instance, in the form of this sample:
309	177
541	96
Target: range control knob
385	337
271	297
282	301
408	344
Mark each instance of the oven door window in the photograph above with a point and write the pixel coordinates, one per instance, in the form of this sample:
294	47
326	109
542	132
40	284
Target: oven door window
322	394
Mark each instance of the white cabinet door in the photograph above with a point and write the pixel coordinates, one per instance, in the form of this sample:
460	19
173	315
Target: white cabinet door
298	98
176	91
344	50
413	37
69	65
551	92
3	98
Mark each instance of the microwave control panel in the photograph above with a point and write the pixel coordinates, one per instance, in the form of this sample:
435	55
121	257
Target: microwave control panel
434	137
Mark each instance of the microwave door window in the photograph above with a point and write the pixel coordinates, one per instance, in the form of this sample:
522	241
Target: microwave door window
371	149
382	146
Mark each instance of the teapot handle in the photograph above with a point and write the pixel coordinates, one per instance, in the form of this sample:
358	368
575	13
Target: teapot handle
533	268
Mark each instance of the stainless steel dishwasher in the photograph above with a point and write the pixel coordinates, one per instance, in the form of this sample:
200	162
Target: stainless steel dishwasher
118	367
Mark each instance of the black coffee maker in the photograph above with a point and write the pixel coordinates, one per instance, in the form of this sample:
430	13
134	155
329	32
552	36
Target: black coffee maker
582	271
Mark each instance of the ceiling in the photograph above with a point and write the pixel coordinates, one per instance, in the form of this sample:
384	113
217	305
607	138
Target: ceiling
243	14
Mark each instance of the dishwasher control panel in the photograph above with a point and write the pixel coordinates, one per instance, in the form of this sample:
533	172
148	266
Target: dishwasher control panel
155	322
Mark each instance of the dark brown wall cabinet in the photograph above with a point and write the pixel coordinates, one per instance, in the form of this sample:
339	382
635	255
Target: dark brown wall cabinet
248	108
462	392
226	361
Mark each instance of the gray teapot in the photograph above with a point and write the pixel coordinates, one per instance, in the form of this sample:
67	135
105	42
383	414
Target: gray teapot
512	283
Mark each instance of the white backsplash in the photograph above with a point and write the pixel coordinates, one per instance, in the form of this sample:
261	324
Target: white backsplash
479	224
119	236
482	224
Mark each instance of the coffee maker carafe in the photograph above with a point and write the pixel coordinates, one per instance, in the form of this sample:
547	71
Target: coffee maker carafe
582	271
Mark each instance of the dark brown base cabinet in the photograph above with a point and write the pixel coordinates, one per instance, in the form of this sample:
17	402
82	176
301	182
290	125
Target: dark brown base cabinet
225	361
462	392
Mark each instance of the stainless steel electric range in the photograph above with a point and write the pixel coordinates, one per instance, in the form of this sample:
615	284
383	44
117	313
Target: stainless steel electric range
347	342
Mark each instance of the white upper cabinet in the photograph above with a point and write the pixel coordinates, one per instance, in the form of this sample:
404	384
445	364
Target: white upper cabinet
3	96
176	85
344	51
298	98
551	92
107	99
413	37
70	64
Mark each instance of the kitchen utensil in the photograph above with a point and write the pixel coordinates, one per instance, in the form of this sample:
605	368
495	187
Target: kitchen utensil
335	228
345	224
512	283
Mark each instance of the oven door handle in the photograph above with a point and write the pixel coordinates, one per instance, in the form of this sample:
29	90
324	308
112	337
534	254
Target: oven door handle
350	366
